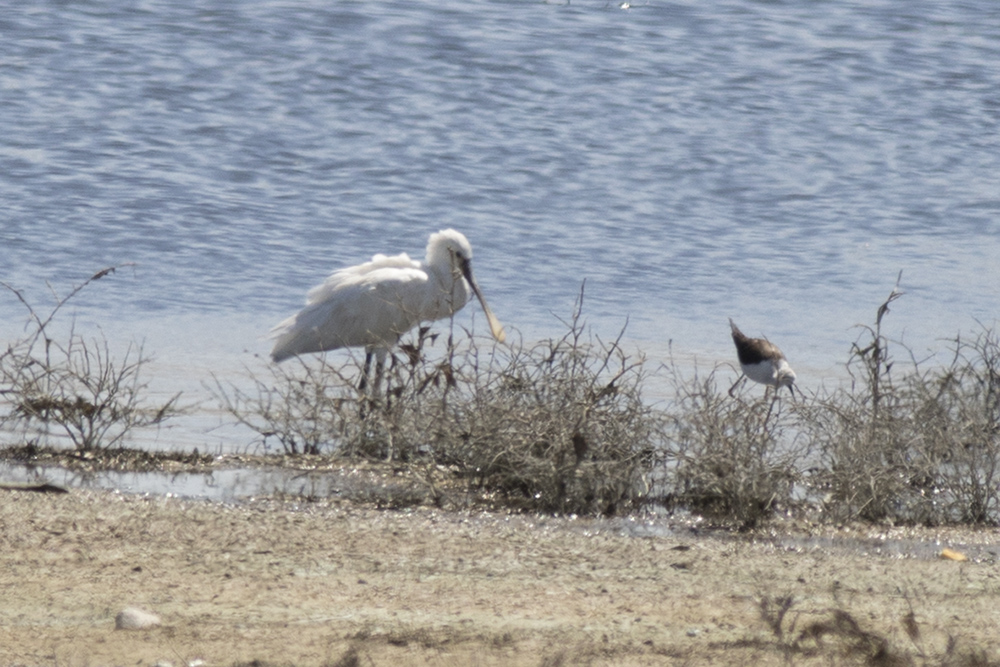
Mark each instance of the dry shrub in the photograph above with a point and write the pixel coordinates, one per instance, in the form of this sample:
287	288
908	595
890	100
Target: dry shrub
734	458
76	387
835	634
869	464
918	446
300	406
312	405
957	419
558	426
847	636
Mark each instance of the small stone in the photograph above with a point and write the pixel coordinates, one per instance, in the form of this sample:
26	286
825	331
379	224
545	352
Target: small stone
132	618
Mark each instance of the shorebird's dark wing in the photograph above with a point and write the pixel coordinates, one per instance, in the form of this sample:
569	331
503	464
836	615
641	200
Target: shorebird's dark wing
756	350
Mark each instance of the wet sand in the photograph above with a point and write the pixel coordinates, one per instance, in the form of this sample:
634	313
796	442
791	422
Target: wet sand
333	582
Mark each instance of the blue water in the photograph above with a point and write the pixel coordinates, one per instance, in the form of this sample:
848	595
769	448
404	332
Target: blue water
775	162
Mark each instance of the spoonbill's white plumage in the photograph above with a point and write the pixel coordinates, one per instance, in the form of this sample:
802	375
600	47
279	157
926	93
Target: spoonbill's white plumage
372	305
762	361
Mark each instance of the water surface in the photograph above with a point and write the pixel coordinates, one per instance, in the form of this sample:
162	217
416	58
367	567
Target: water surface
778	163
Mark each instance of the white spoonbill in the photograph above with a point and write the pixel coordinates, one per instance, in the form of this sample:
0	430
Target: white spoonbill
372	305
761	361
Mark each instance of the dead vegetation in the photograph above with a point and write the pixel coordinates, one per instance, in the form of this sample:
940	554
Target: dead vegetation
918	445
558	426
832	636
561	425
837	634
75	388
731	458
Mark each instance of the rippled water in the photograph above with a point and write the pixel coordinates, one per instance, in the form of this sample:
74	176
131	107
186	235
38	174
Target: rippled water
775	162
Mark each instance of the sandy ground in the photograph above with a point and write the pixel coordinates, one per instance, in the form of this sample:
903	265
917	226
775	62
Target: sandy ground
334	583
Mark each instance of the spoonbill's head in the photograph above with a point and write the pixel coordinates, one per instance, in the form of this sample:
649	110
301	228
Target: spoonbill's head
449	248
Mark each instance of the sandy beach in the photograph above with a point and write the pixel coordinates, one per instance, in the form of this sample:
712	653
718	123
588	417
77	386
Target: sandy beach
284	582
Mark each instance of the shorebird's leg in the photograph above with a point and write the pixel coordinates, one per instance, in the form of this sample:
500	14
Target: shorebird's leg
770	408
735	384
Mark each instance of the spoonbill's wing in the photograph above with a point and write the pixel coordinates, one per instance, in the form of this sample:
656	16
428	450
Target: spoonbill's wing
360	273
370	305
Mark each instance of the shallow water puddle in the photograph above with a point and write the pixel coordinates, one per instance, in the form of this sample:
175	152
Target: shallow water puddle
223	485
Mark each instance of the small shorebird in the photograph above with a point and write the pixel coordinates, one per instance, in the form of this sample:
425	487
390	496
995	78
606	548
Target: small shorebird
761	361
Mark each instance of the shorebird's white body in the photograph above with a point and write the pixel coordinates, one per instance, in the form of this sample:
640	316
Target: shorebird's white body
372	305
773	372
762	361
